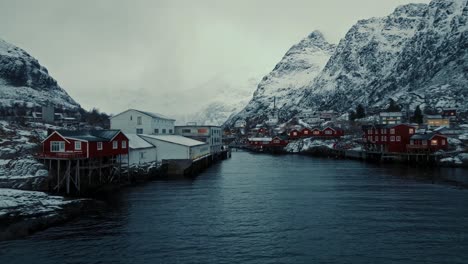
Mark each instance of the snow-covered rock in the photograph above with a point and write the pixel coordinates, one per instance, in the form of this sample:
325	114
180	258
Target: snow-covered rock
24	80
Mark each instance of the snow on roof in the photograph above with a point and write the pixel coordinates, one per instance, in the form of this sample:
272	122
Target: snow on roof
176	139
261	139
136	142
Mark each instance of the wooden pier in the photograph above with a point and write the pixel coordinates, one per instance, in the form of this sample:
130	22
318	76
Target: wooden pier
72	174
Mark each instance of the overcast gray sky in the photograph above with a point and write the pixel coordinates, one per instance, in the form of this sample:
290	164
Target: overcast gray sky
163	55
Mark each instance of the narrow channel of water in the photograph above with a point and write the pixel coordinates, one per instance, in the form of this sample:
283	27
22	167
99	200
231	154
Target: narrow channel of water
258	208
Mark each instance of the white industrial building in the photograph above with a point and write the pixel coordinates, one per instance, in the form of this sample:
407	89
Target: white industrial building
134	121
140	151
212	135
175	147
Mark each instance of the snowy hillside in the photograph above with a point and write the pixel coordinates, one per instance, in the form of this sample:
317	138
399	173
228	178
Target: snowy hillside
286	82
24	80
417	56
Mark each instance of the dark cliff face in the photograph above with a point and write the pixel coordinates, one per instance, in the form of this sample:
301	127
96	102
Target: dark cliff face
23	78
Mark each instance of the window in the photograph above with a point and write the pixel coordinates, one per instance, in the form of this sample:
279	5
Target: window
139	120
369	131
424	142
57	146
384	138
434	142
392	138
392	131
142	155
412	142
124	144
131	117
170	131
156	131
99	146
115	144
139	130
164	131
411	131
443	142
398	138
316	132
186	130
294	133
328	132
369	138
77	145
376	138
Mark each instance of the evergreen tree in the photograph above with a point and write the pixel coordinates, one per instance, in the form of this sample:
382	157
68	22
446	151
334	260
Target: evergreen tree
418	116
360	112
393	106
352	115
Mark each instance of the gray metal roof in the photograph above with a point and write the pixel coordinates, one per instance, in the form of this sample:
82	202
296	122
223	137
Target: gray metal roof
427	136
155	115
90	135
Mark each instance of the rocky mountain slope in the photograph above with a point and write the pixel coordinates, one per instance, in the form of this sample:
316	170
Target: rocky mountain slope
24	80
417	56
296	70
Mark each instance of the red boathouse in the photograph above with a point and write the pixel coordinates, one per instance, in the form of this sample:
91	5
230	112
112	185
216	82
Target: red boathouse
94	156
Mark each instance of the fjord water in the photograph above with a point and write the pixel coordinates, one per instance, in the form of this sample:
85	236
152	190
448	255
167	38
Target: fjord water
269	209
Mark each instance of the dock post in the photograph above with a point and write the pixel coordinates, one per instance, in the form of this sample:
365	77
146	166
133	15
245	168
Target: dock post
58	175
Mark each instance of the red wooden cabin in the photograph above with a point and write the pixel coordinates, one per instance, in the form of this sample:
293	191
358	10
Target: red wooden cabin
388	138
305	132
279	142
84	144
332	132
431	142
294	134
316	132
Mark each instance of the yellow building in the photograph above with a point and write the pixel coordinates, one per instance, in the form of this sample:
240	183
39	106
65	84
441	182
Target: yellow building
437	121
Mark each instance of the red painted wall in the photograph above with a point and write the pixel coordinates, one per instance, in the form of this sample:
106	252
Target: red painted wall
93	152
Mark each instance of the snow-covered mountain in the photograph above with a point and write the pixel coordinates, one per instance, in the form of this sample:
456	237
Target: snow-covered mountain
418	55
226	96
23	79
296	70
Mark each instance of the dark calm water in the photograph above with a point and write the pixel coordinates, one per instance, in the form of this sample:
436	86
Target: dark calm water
269	209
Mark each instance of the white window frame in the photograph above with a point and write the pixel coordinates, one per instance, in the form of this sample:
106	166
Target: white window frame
392	138
61	146
392	131
434	142
124	144
99	146
398	138
77	145
115	144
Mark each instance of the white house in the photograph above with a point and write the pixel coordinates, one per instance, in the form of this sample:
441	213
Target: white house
175	147
135	121
140	151
213	135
